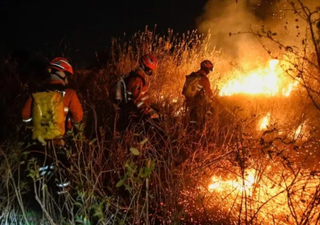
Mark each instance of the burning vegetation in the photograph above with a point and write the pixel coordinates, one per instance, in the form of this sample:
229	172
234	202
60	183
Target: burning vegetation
255	162
267	81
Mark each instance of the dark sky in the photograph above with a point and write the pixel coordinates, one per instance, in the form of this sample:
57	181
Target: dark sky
87	25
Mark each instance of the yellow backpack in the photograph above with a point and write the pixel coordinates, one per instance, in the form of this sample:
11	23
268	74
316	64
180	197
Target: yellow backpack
48	115
190	88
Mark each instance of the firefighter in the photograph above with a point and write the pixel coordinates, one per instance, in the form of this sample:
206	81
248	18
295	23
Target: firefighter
137	107
198	95
53	110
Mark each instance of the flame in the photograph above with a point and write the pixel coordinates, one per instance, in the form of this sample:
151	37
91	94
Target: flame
297	132
301	132
219	185
260	81
264	122
286	91
267	194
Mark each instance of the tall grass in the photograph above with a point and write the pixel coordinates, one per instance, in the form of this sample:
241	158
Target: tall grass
161	175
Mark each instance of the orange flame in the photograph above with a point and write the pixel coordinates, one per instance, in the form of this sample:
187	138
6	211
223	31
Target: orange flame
220	185
267	194
260	81
264	122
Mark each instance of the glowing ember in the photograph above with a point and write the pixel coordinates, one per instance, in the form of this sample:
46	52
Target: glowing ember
260	81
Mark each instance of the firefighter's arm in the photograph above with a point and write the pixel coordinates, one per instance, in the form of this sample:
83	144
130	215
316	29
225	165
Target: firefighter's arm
26	111
135	88
153	113
75	108
140	99
206	86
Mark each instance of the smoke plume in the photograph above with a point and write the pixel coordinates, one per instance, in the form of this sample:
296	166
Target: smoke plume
223	17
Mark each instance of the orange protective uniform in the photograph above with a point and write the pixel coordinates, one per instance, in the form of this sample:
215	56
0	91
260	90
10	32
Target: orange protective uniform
137	89
203	85
198	105
138	106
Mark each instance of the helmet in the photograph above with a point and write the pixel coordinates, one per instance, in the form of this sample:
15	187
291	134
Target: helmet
148	63
61	64
207	64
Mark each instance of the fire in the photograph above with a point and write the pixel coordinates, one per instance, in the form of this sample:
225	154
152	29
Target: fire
220	185
265	192
301	132
264	81
264	122
298	131
286	92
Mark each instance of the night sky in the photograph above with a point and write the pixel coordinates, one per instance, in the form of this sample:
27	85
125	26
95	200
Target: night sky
40	25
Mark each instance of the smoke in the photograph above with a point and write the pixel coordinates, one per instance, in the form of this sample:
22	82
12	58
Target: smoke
223	17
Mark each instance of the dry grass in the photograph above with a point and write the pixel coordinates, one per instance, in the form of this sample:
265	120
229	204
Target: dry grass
162	175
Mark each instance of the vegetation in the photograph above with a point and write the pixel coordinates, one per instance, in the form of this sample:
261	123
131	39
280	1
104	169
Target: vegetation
231	172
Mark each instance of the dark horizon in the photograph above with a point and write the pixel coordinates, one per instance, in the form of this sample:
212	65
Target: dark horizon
85	28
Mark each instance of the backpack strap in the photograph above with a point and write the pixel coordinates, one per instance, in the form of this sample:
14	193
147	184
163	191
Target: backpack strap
124	85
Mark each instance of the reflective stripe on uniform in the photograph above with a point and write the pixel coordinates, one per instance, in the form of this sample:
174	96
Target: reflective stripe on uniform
43	173
144	98
43	168
62	192
46	167
63	184
46	170
140	104
129	95
199	87
66	109
27	120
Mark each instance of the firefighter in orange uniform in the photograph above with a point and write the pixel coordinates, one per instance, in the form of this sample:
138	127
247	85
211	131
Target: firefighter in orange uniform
198	94
59	70
138	107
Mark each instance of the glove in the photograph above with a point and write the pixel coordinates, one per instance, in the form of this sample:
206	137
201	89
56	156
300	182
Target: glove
151	112
154	115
